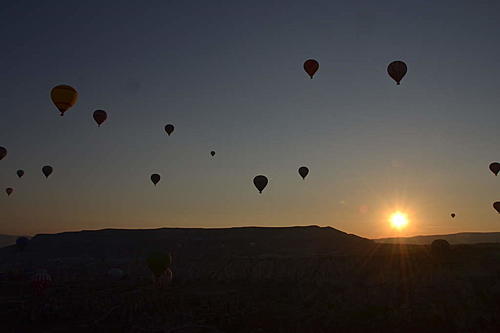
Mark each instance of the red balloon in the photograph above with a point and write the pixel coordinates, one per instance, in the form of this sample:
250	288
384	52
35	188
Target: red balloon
311	66
9	190
100	116
3	152
397	70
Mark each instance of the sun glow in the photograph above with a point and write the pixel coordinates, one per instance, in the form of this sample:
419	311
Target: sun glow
398	220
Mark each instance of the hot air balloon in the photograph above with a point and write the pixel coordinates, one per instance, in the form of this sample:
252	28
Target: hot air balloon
20	173
440	248
169	128
64	97
303	172
158	262
212	153
397	70
41	281
311	66
155	178
9	190
21	243
3	152
496	205
260	182
452	215
116	273
164	279
495	168
47	171
100	116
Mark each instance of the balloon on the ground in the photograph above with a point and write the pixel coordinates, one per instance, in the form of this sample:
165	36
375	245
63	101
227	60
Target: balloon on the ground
9	190
311	67
47	171
260	182
397	70
158	262
303	172
3	152
41	281
169	128
495	168
64	97
155	178
20	173
100	116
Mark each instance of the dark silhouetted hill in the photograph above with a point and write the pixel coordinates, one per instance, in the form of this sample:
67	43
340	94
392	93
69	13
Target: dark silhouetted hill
6	240
459	238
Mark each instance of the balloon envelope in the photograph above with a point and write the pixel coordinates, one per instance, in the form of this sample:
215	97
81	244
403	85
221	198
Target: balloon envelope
495	168
212	153
155	178
311	66
397	70
303	172
3	152
41	280
158	262
260	182
64	97
496	205
452	215
100	116
169	128
9	190
20	173
47	171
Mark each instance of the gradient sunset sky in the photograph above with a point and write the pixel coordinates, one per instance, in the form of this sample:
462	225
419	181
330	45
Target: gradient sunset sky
228	75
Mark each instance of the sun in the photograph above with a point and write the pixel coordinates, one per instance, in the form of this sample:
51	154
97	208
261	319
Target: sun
398	220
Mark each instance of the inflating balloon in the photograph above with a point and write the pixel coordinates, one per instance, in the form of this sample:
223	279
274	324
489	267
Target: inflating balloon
155	178
496	205
452	215
397	70
3	152
20	173
64	97
495	168
100	116
311	66
169	128
41	281
47	171
212	153
9	190
158	262
303	172
260	182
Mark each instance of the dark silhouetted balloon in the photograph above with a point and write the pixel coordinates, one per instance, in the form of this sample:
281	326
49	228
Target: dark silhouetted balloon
3	152
311	66
260	182
212	153
495	168
47	171
20	173
158	262
41	281
155	178
440	247
100	116
496	205
64	97
397	70
303	172
21	243
452	215
9	190
169	128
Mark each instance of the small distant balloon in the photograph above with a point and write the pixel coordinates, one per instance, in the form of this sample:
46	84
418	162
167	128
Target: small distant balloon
452	215
64	97
100	116
155	178
169	128
496	205
3	152
311	66
303	172
20	173
260	182
47	171
9	190
212	153
397	70
495	168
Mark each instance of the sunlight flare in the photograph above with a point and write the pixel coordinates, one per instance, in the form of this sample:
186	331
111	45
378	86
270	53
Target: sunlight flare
398	220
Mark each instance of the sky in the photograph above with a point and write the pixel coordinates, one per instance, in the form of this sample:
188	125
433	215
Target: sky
229	76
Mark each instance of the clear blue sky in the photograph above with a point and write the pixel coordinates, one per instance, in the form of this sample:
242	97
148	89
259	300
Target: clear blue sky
229	76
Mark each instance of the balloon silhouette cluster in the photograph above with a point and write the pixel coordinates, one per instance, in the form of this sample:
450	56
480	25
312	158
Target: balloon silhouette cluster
64	97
